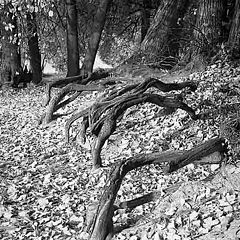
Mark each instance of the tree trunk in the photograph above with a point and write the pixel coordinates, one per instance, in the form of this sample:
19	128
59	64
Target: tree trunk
72	39
234	35
161	31
208	32
145	18
34	52
11	58
95	36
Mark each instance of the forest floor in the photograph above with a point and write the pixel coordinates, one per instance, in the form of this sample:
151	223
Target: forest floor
47	185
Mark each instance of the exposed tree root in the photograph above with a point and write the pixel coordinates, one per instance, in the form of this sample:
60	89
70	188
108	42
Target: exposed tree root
82	79
56	103
73	118
61	83
106	125
101	225
71	85
102	116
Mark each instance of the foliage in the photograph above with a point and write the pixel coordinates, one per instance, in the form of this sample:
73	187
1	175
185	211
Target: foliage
47	23
122	33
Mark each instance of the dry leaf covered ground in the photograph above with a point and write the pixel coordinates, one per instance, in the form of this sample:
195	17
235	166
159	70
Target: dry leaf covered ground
47	185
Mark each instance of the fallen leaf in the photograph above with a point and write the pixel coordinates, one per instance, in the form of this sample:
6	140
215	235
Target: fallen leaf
43	202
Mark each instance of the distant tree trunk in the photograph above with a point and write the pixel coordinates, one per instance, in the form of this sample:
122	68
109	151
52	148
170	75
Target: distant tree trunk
72	39
145	18
208	33
157	42
95	36
234	35
34	52
11	58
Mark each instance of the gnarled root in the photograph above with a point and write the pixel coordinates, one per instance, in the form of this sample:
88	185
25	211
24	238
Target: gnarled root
72	119
107	129
107	125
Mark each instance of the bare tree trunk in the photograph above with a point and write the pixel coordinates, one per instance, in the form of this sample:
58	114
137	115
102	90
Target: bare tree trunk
72	39
34	52
208	31
208	34
145	18
234	35
95	36
11	58
158	38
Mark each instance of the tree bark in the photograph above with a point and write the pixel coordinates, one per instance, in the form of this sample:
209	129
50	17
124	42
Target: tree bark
208	32
74	87
34	52
234	35
72	39
11	58
102	116
145	18
103	128
158	39
95	36
101	224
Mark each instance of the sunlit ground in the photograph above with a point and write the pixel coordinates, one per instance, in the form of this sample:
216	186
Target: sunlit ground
98	64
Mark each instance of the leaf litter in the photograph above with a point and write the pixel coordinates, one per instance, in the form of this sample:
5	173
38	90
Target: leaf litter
47	185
